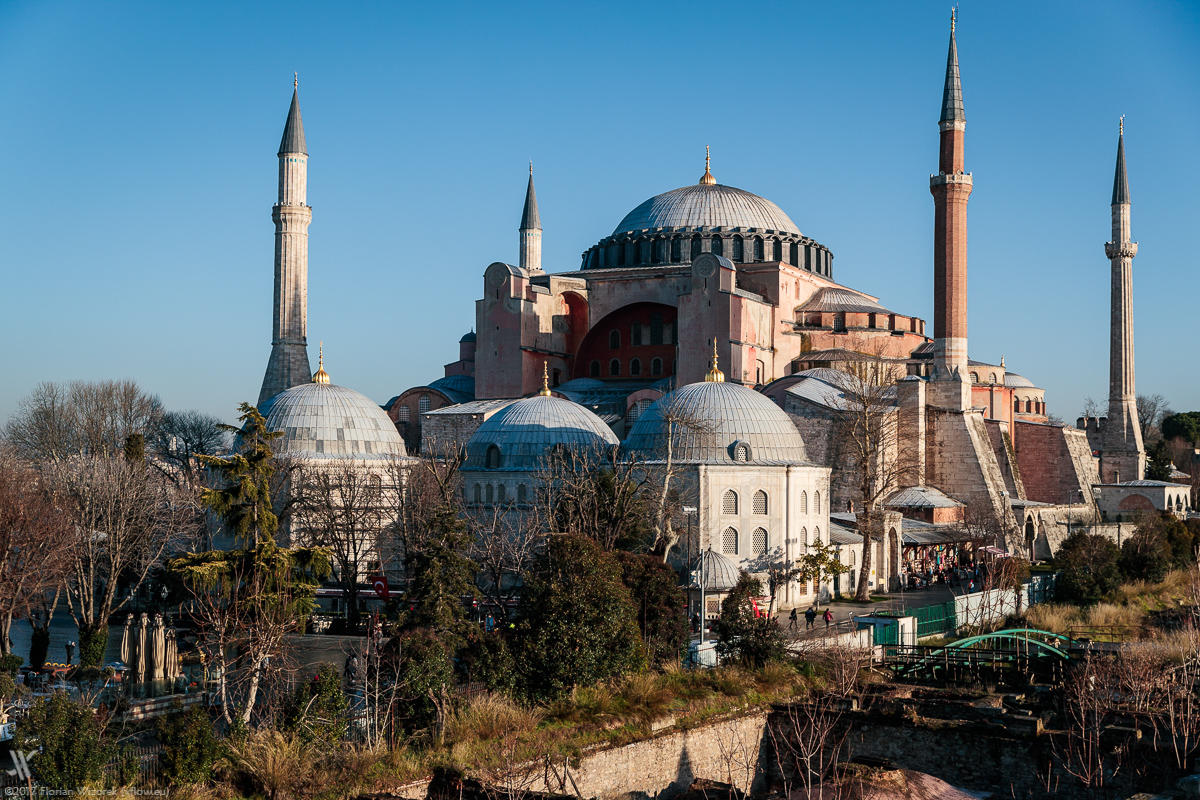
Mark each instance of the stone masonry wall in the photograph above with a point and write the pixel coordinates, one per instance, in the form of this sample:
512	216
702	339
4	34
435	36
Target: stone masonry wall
1056	463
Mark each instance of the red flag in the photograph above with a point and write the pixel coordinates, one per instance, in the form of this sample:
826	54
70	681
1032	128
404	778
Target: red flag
381	585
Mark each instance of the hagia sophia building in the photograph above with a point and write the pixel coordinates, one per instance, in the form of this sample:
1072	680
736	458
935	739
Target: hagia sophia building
710	280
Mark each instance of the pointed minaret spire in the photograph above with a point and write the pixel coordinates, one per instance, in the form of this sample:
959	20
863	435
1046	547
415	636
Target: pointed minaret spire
531	230
951	188
1123	452
288	365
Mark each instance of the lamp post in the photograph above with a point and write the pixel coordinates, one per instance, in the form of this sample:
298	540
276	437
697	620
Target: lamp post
688	511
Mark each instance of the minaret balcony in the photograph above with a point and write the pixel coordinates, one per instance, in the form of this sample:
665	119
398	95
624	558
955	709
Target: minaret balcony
1120	249
951	179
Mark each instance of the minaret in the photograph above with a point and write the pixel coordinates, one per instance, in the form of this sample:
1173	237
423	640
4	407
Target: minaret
950	188
288	365
531	230
1123	455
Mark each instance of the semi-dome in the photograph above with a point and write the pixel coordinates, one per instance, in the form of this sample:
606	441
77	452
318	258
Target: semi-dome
321	420
716	423
517	437
708	205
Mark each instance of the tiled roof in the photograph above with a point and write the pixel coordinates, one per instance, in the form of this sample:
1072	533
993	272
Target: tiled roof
459	388
835	299
472	407
708	419
707	206
525	430
320	420
921	497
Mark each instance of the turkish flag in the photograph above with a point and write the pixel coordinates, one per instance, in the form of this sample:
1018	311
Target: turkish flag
381	585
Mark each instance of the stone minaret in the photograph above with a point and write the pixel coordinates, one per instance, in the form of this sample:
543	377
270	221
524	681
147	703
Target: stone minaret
289	366
950	188
1122	456
531	230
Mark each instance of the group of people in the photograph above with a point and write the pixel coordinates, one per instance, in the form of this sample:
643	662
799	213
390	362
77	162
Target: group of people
810	618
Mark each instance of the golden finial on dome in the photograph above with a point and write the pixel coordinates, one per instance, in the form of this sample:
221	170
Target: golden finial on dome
714	375
1121	126
1002	362
953	14
295	80
545	392
321	376
707	179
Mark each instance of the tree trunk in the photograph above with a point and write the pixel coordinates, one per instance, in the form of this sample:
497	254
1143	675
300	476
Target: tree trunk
251	694
39	645
5	629
862	592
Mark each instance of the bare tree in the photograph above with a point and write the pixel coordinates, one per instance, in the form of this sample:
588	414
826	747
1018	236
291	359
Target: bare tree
125	518
592	492
60	421
505	544
36	541
1087	697
1151	408
1092	409
181	436
427	487
342	508
867	424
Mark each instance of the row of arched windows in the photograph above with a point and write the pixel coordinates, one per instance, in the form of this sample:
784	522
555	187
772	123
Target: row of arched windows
635	369
759	540
657	251
423	404
1028	406
493	494
758	502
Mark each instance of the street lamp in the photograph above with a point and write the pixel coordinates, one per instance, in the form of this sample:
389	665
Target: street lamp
688	511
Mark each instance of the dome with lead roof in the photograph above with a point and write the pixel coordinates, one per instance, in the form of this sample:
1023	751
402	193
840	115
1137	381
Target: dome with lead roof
319	420
708	206
517	437
716	423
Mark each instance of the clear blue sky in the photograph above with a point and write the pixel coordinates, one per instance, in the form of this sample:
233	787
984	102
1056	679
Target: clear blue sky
139	170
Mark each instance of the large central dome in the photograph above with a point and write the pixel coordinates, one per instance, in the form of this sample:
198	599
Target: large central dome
708	206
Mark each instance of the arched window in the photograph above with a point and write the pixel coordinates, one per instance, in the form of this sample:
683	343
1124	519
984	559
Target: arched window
620	255
758	248
793	256
816	502
804	536
492	461
637	252
635	366
1028	406
993	377
650	251
656	366
478	493
758	541
839	321
491	494
676	250
1017	404
614	367
738	247
521	493
402	413
777	251
729	503
656	328
614	340
741	452
423	404
729	541
695	247
816	535
852	559
974	377
718	247
758	504
760	373
635	334
500	493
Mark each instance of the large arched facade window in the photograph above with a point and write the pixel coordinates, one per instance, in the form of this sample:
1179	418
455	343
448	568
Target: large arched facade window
477	495
423	404
793	254
718	246
614	340
696	247
594	369
656	366
676	250
758	541
758	503
816	502
729	502
738	249
614	368
777	250
492	459
635	366
803	502
758	248
402	413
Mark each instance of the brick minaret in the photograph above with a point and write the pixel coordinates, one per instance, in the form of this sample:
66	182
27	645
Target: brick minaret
531	230
1123	456
950	188
289	365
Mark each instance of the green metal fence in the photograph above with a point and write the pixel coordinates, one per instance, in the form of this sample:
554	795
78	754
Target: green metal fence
935	619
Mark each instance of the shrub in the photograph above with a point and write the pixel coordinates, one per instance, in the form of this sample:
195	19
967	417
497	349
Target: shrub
1145	556
421	669
1089	568
742	637
661	605
486	659
73	753
490	716
317	709
577	621
190	746
10	664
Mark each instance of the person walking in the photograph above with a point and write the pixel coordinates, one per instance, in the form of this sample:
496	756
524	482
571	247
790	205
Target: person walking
810	618
792	620
70	652
828	617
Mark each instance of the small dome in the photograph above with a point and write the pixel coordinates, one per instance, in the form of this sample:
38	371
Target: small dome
707	205
525	430
320	420
1015	381
713	422
467	337
713	572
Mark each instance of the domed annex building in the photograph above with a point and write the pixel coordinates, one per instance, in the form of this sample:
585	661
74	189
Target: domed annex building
738	459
